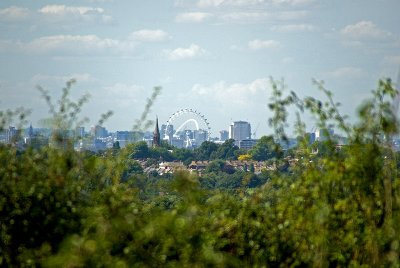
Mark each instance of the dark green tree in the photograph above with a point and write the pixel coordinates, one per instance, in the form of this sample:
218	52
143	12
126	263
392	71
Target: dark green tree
116	145
215	166
161	153
205	150
226	150
139	150
265	149
183	154
132	167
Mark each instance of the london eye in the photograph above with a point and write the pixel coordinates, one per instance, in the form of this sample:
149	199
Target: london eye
188	121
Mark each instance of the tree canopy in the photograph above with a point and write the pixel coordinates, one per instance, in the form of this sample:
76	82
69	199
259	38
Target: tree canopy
265	149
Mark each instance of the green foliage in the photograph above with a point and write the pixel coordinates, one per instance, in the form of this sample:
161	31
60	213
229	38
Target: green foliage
42	200
206	151
227	150
139	150
265	149
143	123
65	115
7	117
215	166
338	208
184	155
161	153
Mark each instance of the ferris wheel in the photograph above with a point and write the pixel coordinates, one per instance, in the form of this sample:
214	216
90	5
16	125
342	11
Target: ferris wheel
185	117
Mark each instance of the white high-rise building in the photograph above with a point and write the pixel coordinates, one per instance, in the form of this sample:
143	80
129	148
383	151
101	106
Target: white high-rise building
323	134
167	132
240	130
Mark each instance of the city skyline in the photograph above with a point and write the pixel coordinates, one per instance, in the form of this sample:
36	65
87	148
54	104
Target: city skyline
215	56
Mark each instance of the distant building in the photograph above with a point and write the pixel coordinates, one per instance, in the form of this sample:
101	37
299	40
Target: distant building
179	143
247	144
200	136
240	130
323	134
11	135
311	136
167	131
30	131
156	135
80	132
223	135
29	135
126	137
100	144
99	131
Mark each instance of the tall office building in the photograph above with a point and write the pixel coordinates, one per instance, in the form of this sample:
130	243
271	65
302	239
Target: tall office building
80	132
11	135
167	131
240	130
223	135
98	131
247	144
124	138
200	136
323	134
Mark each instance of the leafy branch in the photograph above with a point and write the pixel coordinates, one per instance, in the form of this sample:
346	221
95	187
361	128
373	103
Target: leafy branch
143	123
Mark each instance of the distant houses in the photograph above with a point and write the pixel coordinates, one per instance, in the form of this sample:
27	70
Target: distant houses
198	167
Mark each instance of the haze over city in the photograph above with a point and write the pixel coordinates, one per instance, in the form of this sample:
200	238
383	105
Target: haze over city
214	56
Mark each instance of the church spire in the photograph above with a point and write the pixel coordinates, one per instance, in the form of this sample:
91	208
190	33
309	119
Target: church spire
156	135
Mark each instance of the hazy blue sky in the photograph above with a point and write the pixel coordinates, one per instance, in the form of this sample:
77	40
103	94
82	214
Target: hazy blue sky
215	56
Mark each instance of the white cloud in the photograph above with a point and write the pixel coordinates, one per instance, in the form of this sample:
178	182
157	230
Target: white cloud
239	94
236	48
245	11
229	101
150	35
56	14
246	3
193	51
209	3
352	43
192	17
263	44
364	30
346	72
100	1
287	60
217	3
292	15
79	77
292	2
63	12
7	45
392	60
166	80
245	17
123	94
77	45
293	28
68	10
14	13
259	16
